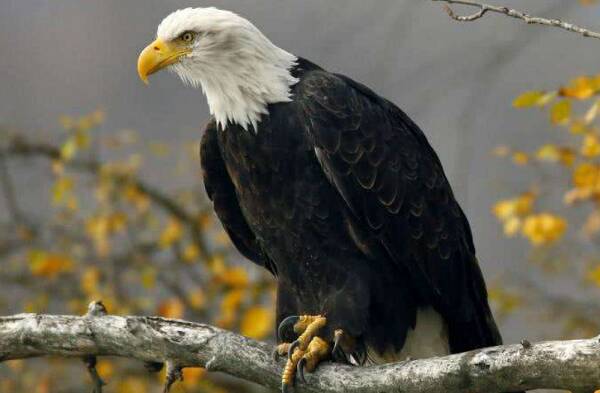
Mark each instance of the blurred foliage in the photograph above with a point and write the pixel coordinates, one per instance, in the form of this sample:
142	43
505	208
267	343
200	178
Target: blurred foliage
115	236
558	212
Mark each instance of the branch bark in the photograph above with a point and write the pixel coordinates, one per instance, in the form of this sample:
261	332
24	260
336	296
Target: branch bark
572	365
486	8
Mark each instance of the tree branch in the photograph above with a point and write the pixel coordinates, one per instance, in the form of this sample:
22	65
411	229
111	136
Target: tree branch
570	365
21	147
485	8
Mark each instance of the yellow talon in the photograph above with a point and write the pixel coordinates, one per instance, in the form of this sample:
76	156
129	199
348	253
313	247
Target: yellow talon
289	372
318	349
307	351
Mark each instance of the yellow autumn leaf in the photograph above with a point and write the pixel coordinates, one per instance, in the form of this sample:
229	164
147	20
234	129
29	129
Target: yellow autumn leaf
229	307
257	322
580	88
528	99
216	264
171	308
592	224
586	175
197	299
579	127
235	277
518	206
89	281
544	228
132	385
72	203
590	147
577	195
560	113
49	264
105	368
205	221
134	196
553	153
505	301
512	226
116	222
191	253
85	123
520	158
61	188
82	139
593	275
68	149
567	156
148	277
98	229
504	209
192	375
171	234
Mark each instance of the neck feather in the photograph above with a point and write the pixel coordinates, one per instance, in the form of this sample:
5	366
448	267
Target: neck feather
239	88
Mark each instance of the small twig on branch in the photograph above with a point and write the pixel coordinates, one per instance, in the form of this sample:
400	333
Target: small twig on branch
174	374
97	382
95	309
485	8
570	365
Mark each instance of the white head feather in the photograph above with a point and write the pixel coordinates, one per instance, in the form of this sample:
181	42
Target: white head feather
239	69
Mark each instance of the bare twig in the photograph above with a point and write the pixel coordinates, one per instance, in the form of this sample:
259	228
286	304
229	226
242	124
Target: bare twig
571	365
485	8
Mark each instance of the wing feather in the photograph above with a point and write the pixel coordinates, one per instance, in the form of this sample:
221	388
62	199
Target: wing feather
221	192
393	182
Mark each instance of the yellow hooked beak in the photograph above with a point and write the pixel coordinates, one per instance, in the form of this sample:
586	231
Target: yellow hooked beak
158	55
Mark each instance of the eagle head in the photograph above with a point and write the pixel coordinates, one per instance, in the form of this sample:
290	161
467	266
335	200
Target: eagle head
239	69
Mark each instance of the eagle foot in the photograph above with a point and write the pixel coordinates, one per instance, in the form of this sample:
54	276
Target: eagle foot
306	352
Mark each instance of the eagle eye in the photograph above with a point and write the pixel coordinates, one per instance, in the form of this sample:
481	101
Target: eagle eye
187	36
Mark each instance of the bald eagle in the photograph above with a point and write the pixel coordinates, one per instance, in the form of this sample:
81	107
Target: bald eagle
336	192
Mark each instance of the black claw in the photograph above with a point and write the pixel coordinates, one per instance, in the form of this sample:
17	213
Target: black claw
287	324
275	354
300	369
285	388
293	346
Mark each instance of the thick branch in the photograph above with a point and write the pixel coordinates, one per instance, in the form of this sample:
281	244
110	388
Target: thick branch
570	365
485	8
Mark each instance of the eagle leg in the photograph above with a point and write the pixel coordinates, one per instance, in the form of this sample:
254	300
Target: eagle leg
307	351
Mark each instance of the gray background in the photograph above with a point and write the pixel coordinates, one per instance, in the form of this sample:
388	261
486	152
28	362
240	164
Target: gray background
456	80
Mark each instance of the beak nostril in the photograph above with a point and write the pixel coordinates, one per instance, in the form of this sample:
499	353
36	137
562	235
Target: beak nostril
156	48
